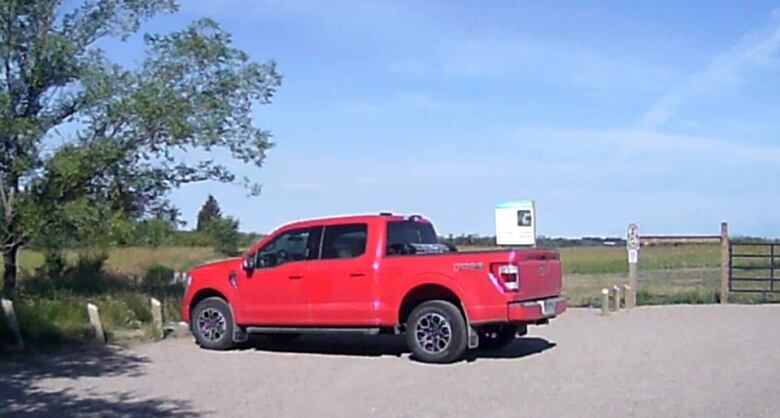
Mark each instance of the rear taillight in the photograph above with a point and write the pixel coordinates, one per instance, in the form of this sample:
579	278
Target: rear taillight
508	275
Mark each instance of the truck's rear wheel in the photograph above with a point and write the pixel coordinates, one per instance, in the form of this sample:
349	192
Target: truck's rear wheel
212	324
436	332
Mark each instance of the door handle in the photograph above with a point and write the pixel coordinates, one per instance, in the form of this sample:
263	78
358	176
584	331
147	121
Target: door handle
295	277
357	275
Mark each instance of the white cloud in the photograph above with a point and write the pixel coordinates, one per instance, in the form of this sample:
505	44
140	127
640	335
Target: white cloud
756	48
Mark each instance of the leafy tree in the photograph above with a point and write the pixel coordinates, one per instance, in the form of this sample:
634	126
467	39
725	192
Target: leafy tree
154	232
208	212
86	143
224	234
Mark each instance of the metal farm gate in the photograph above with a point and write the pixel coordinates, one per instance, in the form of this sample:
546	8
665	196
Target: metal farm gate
754	267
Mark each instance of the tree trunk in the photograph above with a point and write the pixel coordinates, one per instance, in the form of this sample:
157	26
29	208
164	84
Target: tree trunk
9	274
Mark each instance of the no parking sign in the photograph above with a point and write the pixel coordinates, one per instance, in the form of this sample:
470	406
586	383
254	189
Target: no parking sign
632	243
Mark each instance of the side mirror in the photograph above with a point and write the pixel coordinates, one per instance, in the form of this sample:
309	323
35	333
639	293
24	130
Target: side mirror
249	263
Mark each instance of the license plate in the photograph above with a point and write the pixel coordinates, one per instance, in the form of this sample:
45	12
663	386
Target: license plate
548	306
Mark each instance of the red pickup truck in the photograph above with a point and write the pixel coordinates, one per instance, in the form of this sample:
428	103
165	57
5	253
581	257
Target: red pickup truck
374	274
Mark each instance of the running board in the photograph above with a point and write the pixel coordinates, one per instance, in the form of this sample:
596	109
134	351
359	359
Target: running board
307	330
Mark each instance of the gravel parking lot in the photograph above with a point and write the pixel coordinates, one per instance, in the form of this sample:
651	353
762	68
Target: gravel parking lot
655	361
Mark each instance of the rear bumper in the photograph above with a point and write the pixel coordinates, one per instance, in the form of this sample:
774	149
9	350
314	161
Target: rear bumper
535	310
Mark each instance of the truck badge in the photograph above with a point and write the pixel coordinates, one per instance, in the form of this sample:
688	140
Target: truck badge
467	266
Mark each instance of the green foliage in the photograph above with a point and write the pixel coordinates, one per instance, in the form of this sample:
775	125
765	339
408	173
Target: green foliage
154	233
52	311
51	320
53	262
130	130
224	235
208	213
157	281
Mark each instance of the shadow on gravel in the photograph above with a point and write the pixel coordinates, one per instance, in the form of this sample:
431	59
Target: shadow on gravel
386	345
522	347
21	396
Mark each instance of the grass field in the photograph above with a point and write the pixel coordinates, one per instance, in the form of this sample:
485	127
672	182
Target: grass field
613	260
132	261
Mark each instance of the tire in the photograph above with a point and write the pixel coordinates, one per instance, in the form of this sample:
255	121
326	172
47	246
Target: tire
436	332
212	324
495	337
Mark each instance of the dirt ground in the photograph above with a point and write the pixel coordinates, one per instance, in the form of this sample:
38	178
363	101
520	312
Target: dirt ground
679	361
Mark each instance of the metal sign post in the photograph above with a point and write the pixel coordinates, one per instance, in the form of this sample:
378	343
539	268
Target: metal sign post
632	245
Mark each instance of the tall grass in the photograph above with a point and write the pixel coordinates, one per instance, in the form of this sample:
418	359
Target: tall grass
131	261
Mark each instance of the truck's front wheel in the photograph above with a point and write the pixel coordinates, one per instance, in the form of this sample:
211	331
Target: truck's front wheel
212	324
436	332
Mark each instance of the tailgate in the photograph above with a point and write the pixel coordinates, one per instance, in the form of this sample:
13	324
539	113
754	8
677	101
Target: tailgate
540	275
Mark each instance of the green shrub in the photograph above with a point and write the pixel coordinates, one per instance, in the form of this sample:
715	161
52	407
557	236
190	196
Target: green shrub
224	235
171	309
51	321
139	305
157	279
88	277
54	262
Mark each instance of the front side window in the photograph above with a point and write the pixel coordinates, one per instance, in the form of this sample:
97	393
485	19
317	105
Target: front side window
344	241
295	245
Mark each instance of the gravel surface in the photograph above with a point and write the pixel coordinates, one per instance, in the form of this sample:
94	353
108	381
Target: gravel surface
701	361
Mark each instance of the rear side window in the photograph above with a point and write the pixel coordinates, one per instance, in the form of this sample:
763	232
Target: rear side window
403	234
410	232
344	241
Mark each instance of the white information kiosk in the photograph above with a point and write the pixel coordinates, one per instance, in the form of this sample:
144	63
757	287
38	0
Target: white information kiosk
516	223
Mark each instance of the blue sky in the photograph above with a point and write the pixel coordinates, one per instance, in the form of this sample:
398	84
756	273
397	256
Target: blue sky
664	114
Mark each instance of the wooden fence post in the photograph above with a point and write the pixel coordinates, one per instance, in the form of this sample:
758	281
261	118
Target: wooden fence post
633	280
724	262
13	324
633	246
605	301
616	298
97	326
157	319
628	297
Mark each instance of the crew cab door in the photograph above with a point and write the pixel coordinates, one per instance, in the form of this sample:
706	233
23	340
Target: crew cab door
341	283
274	293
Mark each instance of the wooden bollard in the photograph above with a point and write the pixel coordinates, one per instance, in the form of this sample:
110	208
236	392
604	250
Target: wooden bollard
97	326
615	298
157	318
605	301
13	324
628	297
